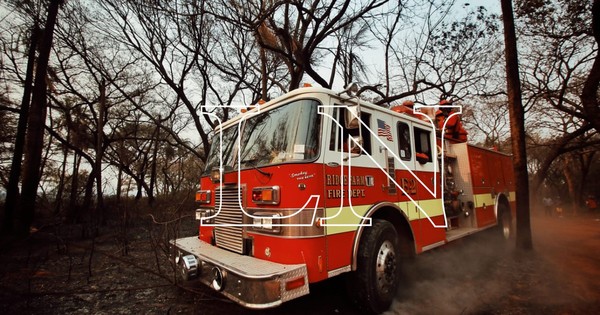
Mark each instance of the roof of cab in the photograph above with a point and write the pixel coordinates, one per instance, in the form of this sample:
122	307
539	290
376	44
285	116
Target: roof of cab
319	90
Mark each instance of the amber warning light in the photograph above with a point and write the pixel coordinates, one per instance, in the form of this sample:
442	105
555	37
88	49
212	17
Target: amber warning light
203	196
266	195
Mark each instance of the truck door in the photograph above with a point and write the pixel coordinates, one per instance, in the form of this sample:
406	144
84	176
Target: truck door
429	190
352	182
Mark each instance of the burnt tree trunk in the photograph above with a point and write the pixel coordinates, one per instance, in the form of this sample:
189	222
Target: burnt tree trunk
12	189
119	185
263	74
61	182
569	174
589	94
517	127
100	150
72	212
34	141
556	149
156	135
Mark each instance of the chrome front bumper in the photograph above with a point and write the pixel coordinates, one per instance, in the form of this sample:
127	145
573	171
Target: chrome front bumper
249	281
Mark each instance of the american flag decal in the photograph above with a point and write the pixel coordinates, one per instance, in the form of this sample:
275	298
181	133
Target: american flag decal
384	129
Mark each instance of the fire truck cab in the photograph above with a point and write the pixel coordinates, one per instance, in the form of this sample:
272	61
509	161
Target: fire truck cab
315	184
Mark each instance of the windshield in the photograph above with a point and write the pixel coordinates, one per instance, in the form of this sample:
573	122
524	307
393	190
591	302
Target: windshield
289	133
229	137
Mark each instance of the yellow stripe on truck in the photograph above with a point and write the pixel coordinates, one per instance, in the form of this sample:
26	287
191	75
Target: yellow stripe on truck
345	220
482	200
348	220
432	207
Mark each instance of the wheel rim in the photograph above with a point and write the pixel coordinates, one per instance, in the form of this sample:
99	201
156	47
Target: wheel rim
386	267
506	227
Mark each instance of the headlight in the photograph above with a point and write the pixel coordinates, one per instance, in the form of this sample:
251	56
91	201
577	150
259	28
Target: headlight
202	214
265	221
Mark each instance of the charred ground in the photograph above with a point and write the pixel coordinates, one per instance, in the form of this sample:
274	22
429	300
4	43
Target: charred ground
54	271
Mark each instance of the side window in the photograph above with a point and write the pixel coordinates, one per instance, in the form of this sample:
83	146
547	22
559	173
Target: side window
423	150
366	118
404	147
343	138
334	130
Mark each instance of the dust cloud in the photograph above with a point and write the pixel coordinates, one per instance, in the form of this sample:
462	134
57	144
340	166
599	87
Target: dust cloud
483	275
448	280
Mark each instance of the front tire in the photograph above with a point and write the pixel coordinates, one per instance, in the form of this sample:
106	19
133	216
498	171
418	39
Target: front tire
375	282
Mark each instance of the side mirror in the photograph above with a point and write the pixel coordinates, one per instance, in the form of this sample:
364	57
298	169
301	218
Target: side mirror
352	117
351	89
354	148
351	147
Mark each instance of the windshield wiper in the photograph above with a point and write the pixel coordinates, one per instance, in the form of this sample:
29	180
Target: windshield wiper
252	163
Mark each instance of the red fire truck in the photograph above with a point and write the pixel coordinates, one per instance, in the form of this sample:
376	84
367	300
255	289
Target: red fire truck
316	184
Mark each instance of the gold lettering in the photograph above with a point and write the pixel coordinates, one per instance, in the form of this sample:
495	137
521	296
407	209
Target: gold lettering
409	186
353	193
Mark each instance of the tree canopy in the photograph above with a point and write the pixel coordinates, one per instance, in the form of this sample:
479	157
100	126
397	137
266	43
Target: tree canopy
128	82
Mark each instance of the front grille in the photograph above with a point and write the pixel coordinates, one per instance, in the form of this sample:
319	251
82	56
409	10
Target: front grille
227	236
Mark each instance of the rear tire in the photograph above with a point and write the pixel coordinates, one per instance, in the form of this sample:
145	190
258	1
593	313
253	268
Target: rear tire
505	229
376	280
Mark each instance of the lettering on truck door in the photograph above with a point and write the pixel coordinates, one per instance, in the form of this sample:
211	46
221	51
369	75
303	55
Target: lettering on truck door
349	184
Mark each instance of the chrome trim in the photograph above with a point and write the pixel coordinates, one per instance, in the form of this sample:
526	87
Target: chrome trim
228	236
275	222
302	225
497	203
339	271
276	195
250	282
254	232
189	266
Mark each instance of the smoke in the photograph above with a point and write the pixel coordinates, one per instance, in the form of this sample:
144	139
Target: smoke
480	274
447	280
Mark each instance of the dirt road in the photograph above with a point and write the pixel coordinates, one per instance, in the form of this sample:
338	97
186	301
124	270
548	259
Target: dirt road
561	275
470	276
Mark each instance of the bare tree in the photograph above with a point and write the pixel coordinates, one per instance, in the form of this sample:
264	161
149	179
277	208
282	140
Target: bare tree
487	122
558	59
517	124
35	124
589	94
436	55
351	40
174	55
296	31
12	187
